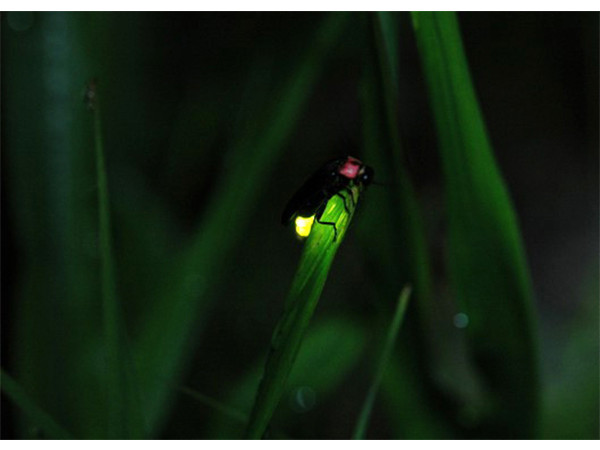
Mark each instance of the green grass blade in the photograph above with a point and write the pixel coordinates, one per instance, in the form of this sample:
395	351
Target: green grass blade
317	257
176	320
124	408
394	237
222	408
332	348
47	149
408	405
36	414
486	260
386	354
408	239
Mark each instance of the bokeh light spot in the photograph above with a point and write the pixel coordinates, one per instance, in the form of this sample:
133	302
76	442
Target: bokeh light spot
461	320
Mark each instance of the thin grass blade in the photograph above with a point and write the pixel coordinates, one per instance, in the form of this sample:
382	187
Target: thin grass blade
308	283
216	405
386	354
124	408
394	237
486	260
408	239
36	414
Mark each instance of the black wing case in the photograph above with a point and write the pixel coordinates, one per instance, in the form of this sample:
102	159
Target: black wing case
311	195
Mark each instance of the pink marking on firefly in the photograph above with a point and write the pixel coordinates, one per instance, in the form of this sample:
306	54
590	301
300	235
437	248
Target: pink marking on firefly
350	168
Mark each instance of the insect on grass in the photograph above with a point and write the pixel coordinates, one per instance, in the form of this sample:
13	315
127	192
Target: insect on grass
338	177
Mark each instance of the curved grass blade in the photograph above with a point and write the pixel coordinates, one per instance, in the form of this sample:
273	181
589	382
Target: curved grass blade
315	262
386	354
486	260
124	407
36	414
169	330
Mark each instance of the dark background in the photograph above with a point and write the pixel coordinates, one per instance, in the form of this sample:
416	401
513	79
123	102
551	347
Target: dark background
172	109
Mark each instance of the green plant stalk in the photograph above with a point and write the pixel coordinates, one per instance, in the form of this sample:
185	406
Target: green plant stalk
402	255
486	260
406	214
124	408
386	354
36	414
216	405
315	262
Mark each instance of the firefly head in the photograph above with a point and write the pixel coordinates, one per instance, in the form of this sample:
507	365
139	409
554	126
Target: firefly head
366	175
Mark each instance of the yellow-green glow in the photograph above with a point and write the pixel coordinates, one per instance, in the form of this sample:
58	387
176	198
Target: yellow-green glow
304	225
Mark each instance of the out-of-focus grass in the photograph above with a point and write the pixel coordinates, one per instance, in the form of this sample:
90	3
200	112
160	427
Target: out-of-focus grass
408	240
572	391
400	254
386	354
39	417
59	354
486	261
331	349
51	170
124	414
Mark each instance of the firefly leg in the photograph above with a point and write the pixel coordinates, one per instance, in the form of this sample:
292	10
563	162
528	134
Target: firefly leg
351	192
331	224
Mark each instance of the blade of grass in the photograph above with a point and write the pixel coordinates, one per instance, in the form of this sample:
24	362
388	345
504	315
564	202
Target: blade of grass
395	236
225	410
300	304
170	328
486	260
231	413
47	143
408	238
124	408
409	406
386	354
331	349
36	414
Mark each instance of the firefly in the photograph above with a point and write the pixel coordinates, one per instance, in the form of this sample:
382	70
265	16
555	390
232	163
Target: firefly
334	178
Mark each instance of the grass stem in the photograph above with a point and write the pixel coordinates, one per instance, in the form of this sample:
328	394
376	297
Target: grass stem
386	353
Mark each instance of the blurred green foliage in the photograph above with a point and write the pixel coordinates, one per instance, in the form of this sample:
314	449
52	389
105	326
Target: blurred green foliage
209	122
487	267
